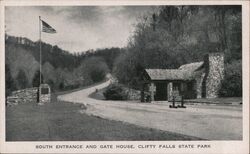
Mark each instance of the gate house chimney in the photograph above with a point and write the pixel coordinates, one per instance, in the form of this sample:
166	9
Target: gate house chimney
214	74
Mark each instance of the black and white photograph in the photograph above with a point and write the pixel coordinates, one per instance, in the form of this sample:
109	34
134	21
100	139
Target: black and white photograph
133	73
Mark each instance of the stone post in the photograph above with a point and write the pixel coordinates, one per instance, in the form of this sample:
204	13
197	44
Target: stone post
142	93
152	90
44	93
199	85
170	90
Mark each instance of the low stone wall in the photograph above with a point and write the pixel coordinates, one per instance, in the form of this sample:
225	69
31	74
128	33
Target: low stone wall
133	94
45	98
23	96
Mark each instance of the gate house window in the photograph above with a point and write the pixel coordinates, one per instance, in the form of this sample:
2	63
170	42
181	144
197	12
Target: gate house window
44	90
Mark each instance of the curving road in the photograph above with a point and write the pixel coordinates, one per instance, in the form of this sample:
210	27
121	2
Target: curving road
203	121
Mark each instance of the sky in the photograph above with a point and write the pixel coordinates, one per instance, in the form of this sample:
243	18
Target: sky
79	28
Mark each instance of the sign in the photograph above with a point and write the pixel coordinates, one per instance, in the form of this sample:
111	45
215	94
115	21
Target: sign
44	93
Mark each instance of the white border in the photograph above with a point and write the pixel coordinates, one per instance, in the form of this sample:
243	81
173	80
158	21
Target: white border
216	146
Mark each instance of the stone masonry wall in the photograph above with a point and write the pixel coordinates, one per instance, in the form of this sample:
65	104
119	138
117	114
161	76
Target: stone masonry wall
199	85
23	96
215	74
133	94
45	98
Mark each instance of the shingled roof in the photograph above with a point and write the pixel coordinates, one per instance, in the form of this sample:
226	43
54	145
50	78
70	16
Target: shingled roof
185	72
191	66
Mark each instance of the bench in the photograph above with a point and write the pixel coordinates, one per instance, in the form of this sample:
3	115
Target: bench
177	99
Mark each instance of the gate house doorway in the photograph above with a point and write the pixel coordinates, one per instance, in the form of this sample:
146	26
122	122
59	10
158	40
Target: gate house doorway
161	91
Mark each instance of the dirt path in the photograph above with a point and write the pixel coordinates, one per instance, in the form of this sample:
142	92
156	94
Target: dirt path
203	121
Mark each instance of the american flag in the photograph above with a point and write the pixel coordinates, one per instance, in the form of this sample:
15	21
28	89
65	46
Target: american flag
47	28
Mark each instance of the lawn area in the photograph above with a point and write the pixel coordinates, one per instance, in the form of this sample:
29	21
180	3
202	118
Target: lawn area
62	121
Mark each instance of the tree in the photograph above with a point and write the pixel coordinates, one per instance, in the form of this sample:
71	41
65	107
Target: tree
9	82
51	84
222	16
232	82
36	79
22	80
61	86
95	67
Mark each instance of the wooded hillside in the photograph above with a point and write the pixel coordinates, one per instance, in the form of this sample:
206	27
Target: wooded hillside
169	37
176	35
61	69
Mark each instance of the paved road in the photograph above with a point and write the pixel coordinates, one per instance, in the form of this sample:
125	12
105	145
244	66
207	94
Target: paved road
203	121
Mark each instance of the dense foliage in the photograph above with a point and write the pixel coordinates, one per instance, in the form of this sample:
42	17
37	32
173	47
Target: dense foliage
115	92
96	68
176	35
232	84
22	81
36	79
9	81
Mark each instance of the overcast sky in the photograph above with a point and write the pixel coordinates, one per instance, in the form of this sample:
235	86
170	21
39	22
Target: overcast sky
79	28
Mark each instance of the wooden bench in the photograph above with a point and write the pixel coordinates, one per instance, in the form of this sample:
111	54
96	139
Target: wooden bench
177	99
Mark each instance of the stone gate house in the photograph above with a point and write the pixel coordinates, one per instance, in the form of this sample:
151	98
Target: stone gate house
194	80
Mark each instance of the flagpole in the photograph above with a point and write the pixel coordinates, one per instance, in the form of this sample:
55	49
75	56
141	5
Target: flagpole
40	50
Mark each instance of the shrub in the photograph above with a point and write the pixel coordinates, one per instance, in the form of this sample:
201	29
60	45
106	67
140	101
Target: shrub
232	84
61	86
10	84
115	92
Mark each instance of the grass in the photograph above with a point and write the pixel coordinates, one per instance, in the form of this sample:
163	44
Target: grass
62	121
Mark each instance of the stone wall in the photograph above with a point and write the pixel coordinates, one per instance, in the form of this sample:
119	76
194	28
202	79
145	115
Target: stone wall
215	70
23	96
133	94
45	98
